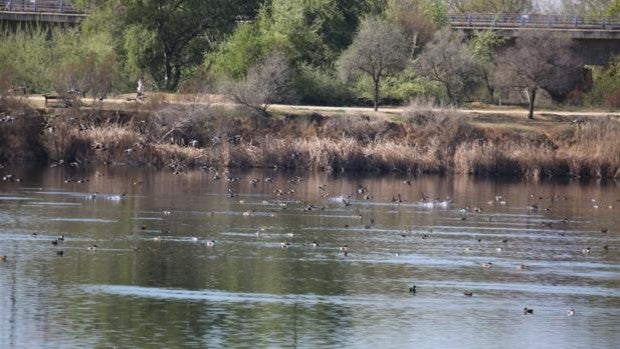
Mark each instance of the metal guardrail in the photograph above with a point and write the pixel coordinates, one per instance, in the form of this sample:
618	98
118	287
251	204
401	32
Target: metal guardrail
43	6
517	21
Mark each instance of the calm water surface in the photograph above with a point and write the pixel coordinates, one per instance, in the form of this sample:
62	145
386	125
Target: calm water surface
155	282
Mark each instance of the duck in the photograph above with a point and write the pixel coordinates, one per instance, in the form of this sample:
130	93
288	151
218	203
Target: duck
586	250
527	311
211	243
284	244
34	235
468	293
54	242
344	248
570	312
3	258
92	247
314	244
412	289
521	267
487	265
499	249
193	238
60	253
60	238
157	238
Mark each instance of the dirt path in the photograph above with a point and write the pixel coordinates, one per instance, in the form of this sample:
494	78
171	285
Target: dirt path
128	103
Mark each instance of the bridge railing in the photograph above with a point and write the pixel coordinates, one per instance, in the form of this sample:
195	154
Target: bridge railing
514	21
48	6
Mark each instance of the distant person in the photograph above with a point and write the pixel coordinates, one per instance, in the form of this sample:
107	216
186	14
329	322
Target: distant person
140	89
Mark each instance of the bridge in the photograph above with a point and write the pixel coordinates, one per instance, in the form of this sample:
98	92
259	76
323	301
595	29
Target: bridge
595	38
576	27
40	11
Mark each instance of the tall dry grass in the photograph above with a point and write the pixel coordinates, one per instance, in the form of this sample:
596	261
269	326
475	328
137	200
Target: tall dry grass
430	141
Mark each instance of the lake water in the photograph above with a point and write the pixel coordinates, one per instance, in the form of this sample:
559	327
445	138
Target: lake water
149	284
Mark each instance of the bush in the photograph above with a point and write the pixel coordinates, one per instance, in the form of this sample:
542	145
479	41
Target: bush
321	87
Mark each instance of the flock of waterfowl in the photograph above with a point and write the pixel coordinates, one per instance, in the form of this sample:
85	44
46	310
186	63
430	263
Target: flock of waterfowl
362	192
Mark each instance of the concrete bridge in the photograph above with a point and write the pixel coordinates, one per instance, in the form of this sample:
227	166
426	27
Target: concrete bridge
596	38
39	11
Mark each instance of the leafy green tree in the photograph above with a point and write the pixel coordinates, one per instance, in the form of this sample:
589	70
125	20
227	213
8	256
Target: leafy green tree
164	37
606	84
483	45
379	48
614	8
593	8
436	10
416	24
490	6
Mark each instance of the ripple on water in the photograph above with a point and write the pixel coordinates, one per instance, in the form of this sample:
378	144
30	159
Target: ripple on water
85	220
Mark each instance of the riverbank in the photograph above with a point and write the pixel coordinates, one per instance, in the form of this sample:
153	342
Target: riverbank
218	135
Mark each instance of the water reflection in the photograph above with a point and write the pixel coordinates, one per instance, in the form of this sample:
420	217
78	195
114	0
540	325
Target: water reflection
155	281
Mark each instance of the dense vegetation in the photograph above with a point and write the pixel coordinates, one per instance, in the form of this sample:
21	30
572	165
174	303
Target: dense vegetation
326	48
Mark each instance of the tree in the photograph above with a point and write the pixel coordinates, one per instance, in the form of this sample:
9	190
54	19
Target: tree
167	36
450	62
592	8
378	48
267	82
538	60
490	6
483	45
412	17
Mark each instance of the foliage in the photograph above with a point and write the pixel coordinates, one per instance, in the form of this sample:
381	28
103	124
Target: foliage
450	62
164	37
410	16
483	46
592	8
66	60
606	87
613	9
321	86
378	49
490	6
436	10
26	58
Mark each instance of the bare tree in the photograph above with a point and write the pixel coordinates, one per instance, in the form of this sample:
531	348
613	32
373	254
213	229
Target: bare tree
268	82
450	62
379	47
538	60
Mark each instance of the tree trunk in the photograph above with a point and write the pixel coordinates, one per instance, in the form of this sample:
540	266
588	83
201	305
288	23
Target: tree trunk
531	94
376	82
